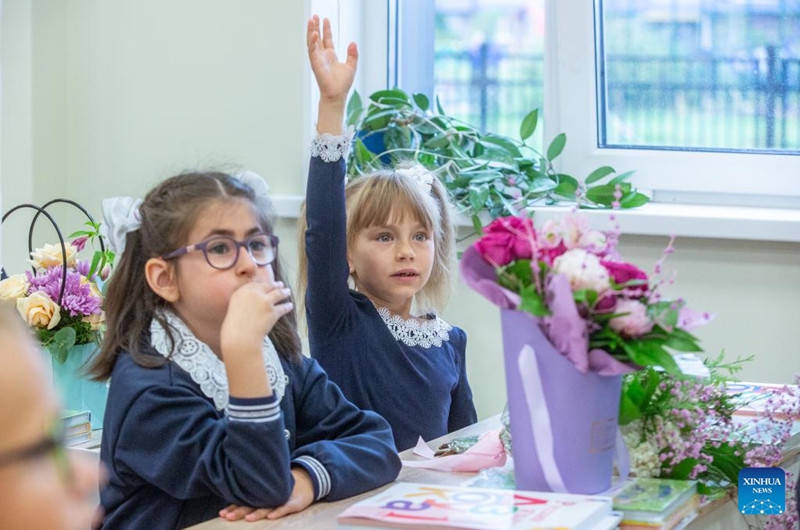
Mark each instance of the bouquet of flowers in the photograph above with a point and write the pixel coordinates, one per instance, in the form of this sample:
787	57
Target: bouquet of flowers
62	298
604	314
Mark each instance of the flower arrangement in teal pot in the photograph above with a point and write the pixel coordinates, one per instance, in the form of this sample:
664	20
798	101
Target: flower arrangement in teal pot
61	299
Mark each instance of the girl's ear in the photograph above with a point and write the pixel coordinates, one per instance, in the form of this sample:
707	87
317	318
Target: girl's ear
161	278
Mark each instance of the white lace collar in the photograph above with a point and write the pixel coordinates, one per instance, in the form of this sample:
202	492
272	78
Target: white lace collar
205	368
412	332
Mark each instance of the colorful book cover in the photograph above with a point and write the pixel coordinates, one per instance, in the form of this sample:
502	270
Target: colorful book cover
407	504
753	397
654	499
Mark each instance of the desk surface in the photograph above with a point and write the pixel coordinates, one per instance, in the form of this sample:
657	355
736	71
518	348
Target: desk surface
721	514
322	515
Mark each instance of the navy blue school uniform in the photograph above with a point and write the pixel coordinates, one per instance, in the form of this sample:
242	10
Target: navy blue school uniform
413	375
174	459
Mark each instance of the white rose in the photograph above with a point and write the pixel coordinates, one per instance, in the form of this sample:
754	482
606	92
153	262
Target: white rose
39	310
51	256
14	287
583	270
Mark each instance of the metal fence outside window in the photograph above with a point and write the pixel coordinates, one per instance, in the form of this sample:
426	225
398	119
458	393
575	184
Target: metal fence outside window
711	102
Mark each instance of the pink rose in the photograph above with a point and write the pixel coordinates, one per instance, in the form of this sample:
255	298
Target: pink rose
634	322
622	272
507	239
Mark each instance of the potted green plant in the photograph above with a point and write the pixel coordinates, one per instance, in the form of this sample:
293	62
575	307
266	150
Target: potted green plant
483	171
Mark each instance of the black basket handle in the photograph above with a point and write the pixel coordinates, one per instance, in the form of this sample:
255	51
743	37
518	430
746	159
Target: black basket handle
42	211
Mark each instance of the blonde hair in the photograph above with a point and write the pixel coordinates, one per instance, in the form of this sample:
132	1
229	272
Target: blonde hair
377	198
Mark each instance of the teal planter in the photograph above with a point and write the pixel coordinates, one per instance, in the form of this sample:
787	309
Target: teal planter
76	390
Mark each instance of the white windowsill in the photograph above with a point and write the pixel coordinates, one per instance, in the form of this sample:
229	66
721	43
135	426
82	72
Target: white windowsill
683	220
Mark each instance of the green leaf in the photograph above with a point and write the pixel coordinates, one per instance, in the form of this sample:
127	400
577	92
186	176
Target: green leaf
96	257
63	341
622	177
599	173
476	224
80	233
556	146
634	200
646	352
422	101
478	196
528	126
532	302
354	108
502	142
439	108
376	121
392	96
520	269
628	411
603	194
682	344
439	140
567	186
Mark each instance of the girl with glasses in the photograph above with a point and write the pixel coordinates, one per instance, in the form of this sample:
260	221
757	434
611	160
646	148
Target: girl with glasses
42	484
211	406
391	234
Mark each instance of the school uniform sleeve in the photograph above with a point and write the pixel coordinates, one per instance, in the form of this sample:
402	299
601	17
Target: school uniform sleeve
175	440
462	409
345	450
328	294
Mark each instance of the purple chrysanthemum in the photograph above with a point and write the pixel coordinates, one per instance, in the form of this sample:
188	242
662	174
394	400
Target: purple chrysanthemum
78	299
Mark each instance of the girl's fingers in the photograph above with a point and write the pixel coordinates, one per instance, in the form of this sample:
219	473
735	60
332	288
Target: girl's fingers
327	34
259	514
237	513
352	55
280	511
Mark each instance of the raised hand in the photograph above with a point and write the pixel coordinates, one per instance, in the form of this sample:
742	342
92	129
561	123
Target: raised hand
334	78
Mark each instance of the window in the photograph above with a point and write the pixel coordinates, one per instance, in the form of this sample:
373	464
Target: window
700	97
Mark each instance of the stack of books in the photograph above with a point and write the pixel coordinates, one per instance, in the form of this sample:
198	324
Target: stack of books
77	426
432	506
656	503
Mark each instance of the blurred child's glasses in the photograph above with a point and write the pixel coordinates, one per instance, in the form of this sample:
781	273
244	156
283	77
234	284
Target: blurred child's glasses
222	252
51	444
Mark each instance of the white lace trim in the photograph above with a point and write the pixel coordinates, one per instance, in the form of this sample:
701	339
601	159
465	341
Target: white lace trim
331	148
206	369
411	332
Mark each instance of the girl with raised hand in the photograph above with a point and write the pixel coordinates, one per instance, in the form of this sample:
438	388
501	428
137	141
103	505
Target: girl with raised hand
211	405
391	233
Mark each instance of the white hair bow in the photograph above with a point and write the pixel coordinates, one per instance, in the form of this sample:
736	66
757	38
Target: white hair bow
418	173
120	216
255	181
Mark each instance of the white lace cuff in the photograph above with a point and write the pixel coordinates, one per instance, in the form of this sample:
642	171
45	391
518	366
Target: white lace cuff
331	148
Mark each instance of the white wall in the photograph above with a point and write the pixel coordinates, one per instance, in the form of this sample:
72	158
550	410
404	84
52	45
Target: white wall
105	97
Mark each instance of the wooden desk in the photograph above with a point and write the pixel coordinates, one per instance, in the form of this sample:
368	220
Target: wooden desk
322	515
722	514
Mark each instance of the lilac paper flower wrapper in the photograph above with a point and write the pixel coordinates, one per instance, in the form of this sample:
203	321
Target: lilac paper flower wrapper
566	440
563	407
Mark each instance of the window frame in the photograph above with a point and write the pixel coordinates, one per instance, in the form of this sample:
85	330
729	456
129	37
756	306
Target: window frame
675	175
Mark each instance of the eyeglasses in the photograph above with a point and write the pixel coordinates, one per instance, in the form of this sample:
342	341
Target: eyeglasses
51	444
222	252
